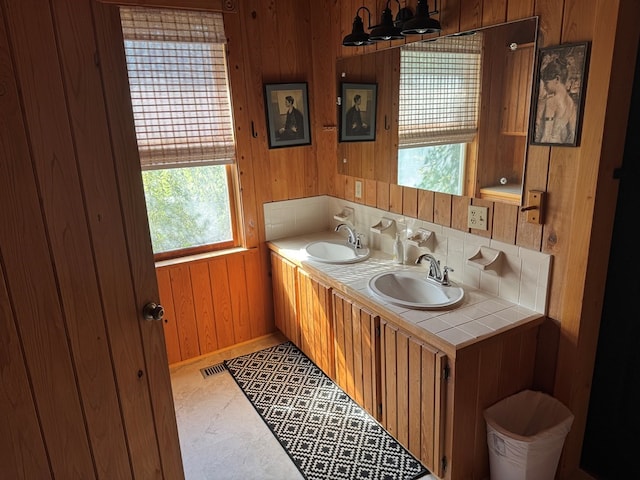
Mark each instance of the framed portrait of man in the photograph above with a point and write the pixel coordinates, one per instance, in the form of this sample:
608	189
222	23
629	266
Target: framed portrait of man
287	109
358	117
558	95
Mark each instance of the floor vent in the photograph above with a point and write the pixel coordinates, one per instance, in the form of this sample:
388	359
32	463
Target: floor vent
213	369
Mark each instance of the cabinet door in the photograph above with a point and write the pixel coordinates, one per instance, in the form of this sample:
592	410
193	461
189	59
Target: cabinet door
283	276
413	394
314	315
357	353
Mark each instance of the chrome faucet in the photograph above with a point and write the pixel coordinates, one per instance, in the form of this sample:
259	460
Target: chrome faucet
353	238
440	276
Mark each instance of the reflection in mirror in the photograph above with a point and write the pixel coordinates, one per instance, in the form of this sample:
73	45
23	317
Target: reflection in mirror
439	97
453	112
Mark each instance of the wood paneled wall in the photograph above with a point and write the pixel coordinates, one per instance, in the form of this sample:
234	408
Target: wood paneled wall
214	302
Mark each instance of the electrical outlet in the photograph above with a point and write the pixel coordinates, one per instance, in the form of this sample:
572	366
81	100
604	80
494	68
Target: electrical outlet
358	189
477	217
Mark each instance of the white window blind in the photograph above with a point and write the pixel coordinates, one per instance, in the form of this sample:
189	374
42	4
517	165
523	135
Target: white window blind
176	62
439	91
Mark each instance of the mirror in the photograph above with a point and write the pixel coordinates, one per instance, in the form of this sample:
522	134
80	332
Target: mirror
492	154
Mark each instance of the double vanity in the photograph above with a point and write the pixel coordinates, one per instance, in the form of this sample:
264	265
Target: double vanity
424	358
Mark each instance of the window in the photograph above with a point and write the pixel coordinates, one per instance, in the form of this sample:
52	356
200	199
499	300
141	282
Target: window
438	113
176	62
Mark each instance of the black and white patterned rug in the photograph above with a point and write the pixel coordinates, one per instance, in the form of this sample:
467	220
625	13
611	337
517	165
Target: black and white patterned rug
326	434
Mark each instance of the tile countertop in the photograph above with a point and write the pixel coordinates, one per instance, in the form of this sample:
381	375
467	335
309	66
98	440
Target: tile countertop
477	317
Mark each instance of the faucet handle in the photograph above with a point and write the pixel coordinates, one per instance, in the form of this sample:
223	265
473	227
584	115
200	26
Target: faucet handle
358	242
445	275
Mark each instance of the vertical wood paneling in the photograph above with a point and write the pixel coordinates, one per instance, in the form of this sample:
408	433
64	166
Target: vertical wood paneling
22	452
315	306
428	407
284	297
348	312
410	202
358	385
338	328
370	359
356	354
389	383
60	417
470	14
425	205
505	222
395	198
460	212
442	209
449	16
412	405
247	113
382	199
222	303
494	11
466	383
402	388
259	291
416	378
370	193
203	306
169	322
183	304
239	299
207	304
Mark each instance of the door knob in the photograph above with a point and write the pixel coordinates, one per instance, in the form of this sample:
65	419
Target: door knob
153	311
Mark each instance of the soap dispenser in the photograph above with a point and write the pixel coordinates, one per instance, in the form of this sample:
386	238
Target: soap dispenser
398	250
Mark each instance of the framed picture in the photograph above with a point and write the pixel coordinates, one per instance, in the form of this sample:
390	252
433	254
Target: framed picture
358	117
287	108
558	95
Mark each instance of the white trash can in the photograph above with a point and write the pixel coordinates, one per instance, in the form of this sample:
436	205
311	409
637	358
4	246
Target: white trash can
525	436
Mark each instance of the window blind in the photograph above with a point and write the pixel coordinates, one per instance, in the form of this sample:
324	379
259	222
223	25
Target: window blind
177	69
439	91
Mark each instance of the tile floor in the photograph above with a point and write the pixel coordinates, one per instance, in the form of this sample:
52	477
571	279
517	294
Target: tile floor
222	437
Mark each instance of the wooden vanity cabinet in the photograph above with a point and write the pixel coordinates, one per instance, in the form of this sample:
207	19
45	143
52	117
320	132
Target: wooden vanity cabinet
431	399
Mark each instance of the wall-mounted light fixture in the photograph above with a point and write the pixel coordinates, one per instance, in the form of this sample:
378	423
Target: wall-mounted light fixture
422	23
389	29
358	36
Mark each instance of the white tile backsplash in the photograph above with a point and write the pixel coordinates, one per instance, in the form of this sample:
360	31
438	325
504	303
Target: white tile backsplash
523	277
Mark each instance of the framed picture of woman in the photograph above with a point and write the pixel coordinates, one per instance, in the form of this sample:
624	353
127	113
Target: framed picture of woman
358	118
287	108
558	96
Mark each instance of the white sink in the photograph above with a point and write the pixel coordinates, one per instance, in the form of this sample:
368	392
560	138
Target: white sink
413	290
335	252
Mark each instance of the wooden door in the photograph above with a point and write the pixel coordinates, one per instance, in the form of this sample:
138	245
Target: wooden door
316	329
357	353
413	395
85	389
